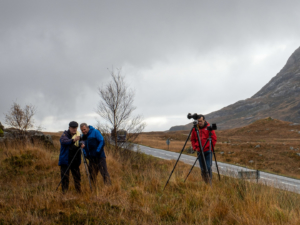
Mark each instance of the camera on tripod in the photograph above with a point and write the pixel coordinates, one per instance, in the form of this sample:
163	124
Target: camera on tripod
195	116
207	174
212	127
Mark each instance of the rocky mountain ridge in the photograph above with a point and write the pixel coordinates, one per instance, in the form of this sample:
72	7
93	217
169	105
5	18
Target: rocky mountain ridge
279	99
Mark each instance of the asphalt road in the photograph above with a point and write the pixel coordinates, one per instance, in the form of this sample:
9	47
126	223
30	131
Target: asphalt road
277	181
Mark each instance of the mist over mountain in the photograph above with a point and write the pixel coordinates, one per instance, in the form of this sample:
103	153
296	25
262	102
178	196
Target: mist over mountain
279	99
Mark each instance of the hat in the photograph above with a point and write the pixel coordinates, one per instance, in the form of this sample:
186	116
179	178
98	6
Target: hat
73	124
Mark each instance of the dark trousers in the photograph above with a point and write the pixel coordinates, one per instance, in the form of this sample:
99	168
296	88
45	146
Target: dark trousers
97	164
76	176
208	160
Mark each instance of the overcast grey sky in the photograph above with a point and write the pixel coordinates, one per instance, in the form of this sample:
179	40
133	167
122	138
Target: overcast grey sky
179	56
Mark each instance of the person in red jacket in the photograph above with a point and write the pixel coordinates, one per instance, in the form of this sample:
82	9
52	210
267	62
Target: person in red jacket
204	135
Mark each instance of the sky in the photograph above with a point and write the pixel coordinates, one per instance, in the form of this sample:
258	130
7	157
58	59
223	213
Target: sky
178	56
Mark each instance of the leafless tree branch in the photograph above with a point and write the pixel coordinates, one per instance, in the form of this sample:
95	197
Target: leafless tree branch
21	119
116	107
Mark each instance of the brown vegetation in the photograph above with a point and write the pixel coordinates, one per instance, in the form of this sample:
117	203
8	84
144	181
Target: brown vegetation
271	144
30	174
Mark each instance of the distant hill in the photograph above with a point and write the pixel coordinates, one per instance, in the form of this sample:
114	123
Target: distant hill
280	99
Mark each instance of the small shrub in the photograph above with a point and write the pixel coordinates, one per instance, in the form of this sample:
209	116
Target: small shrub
167	214
189	150
1	132
134	195
20	161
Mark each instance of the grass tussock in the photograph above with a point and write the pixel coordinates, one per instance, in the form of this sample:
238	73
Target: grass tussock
29	176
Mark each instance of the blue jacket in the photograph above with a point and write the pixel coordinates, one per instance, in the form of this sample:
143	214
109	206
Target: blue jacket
65	143
94	144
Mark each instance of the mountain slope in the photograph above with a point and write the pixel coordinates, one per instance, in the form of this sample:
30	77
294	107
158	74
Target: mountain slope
280	99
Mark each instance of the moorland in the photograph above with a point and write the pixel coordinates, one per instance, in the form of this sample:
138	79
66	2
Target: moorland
29	175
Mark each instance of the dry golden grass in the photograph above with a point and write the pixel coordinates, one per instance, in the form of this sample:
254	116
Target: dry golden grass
30	174
278	143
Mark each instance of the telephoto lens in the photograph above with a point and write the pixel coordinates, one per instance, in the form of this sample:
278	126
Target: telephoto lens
195	116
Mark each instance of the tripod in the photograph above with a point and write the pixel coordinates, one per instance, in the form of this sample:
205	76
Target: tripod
201	152
85	166
211	148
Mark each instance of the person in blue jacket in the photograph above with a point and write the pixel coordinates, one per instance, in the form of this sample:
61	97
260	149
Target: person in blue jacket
70	152
94	152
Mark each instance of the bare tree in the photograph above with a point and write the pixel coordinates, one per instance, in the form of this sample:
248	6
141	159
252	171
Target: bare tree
116	107
21	119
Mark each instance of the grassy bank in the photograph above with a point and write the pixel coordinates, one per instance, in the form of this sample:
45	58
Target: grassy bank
29	176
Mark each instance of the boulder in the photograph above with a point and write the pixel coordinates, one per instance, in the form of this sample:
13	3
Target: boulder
2	139
38	136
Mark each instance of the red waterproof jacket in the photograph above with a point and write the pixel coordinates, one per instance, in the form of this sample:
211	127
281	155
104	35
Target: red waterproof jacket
204	134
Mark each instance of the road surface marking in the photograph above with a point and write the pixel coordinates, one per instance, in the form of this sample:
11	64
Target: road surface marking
266	178
161	157
289	184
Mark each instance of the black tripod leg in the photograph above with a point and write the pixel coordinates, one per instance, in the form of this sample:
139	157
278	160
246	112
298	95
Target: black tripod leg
209	174
178	158
86	169
191	169
216	161
194	164
203	157
67	170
